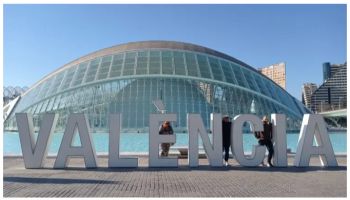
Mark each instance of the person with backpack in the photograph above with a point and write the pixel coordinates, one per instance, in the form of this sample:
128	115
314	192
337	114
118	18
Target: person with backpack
165	129
265	138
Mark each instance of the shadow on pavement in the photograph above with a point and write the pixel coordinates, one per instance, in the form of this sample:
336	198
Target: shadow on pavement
207	168
56	180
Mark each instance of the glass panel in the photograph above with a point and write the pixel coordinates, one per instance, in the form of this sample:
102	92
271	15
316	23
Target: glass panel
218	92
240	101
228	72
49	106
270	106
154	62
104	68
179	63
269	109
230	98
92	70
196	97
250	80
191	64
142	60
117	65
290	102
129	66
281	96
45	88
63	101
203	66
262	86
216	69
80	74
55	86
69	98
37	110
239	75
43	108
271	88
29	99
273	106
249	102
167	62
298	106
34	108
31	109
260	107
57	101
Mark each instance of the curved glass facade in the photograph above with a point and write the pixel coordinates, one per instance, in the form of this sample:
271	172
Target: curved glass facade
128	78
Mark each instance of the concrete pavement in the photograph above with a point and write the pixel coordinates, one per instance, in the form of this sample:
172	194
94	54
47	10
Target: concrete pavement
204	181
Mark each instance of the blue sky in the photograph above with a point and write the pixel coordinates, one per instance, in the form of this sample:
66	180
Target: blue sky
41	38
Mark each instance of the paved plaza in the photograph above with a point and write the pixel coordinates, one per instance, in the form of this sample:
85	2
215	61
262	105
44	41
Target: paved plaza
204	181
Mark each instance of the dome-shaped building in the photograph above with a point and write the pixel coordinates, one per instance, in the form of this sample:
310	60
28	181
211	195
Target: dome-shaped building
127	79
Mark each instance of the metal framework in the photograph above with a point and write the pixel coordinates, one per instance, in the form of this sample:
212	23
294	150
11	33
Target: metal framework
127	78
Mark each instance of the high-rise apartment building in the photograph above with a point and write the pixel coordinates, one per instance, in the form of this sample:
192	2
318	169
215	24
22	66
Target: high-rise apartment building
329	70
276	72
307	90
331	95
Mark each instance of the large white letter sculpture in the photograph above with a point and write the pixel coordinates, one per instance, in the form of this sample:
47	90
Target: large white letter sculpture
314	125
114	159
196	128
34	154
280	139
155	139
87	150
258	153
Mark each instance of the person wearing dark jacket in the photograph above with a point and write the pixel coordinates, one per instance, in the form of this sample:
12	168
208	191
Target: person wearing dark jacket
165	129
226	137
265	138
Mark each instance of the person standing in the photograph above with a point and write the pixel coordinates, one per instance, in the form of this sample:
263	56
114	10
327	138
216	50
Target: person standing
265	138
226	137
165	129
